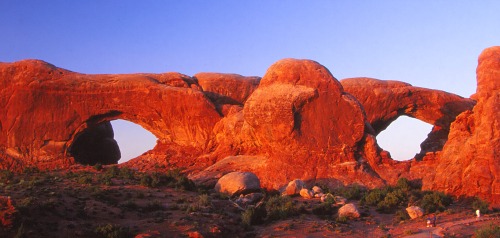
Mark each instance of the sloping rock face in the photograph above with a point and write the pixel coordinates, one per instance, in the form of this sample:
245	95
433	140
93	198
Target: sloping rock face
44	109
470	161
227	89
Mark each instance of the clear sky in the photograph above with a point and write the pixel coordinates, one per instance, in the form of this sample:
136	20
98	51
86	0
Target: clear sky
429	43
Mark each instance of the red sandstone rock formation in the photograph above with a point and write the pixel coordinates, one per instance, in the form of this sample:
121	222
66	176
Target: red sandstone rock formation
470	161
299	123
44	109
385	100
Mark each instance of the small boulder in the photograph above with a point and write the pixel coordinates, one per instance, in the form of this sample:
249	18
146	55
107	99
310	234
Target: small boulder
327	197
317	190
414	212
235	183
294	187
349	210
319	195
340	200
249	199
306	193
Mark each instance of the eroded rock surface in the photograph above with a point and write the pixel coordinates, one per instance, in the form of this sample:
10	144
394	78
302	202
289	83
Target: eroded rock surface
470	161
297	122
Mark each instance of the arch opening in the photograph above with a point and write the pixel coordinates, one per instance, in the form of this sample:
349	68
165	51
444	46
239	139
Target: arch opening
110	142
403	137
132	139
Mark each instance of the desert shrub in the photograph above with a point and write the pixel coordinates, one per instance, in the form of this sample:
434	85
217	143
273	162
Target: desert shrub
280	207
152	180
112	172
184	183
481	205
127	173
435	201
391	201
204	200
401	215
490	231
403	184
342	219
112	231
374	197
324	209
253	216
247	217
173	178
85	178
354	192
98	166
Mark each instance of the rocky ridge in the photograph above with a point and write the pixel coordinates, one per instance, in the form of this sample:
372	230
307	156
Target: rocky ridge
297	122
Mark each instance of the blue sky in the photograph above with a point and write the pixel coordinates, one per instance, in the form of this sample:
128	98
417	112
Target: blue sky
432	44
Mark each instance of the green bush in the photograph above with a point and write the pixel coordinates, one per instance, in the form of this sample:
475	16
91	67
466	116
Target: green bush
354	192
85	179
392	201
173	178
374	197
435	201
153	180
252	216
112	172
481	205
487	232
401	215
112	231
280	207
324	209
127	173
403	184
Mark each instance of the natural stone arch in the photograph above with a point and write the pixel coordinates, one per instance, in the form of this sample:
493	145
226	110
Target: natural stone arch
385	100
44	107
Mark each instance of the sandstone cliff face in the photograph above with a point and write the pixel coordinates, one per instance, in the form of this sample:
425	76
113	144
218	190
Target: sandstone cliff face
470	161
297	122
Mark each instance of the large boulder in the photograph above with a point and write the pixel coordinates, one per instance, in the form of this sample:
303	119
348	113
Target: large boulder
294	187
349	210
414	212
238	183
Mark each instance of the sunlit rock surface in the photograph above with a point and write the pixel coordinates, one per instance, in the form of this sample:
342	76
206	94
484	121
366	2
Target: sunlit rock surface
297	122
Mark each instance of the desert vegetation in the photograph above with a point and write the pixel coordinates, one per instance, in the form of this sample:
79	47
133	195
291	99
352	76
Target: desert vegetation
109	201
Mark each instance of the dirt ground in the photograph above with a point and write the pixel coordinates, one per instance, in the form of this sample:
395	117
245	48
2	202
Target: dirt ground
87	203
